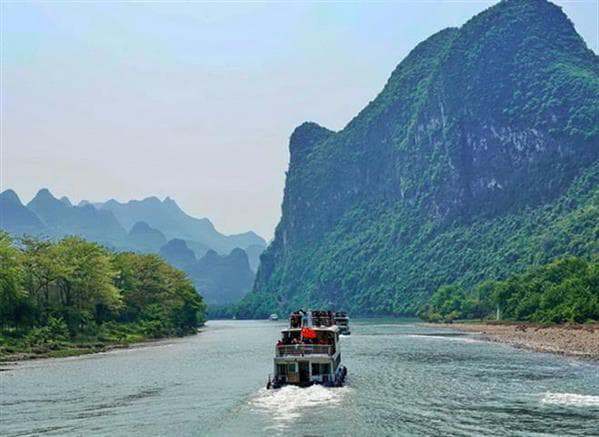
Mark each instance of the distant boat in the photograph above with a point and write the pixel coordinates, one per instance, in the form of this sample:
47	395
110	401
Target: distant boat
273	316
342	321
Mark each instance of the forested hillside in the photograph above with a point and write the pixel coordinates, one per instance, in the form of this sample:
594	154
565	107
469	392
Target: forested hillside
565	290
477	160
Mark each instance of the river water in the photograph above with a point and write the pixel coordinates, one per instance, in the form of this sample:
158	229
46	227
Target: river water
404	379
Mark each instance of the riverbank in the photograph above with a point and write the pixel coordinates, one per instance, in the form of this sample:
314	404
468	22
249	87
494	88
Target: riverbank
22	352
571	340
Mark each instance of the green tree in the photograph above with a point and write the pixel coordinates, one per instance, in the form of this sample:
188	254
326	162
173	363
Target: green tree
86	282
565	290
12	293
75	290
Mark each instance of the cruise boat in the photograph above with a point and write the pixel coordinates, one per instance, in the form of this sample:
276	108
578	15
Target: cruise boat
342	322
273	317
308	352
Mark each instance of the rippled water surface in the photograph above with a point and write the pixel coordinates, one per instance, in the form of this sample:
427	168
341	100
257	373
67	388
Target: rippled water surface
403	379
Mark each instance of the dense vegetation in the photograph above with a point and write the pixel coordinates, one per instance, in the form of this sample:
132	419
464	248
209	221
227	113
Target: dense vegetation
477	160
566	290
57	294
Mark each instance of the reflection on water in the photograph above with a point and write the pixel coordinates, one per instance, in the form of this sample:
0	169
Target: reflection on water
404	379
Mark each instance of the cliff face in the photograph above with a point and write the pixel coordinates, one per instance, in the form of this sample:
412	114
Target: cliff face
483	140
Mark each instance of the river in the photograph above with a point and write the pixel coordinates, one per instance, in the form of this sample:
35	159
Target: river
404	379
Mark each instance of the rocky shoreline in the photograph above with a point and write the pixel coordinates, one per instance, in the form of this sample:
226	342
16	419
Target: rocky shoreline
572	340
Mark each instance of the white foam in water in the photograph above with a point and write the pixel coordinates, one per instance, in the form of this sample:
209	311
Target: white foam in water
461	339
287	403
573	399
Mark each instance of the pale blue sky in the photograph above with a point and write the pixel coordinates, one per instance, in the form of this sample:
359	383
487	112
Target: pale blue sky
197	100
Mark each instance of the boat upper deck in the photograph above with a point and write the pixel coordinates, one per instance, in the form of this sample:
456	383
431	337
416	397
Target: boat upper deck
309	333
311	319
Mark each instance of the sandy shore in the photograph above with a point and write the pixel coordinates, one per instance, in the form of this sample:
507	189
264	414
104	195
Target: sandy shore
573	340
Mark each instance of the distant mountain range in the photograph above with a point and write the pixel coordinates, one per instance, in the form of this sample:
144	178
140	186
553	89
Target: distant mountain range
174	223
148	226
222	279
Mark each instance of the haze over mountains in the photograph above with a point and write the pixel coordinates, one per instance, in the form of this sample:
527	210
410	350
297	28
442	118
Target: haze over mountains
150	226
174	223
478	159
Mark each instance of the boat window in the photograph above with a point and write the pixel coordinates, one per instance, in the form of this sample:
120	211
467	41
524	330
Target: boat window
321	369
281	369
291	368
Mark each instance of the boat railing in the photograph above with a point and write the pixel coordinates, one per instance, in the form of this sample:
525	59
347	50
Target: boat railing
303	349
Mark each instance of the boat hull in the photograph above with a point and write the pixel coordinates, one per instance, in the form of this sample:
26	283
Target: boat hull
338	381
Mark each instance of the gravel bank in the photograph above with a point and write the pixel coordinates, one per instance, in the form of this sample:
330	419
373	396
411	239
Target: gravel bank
574	340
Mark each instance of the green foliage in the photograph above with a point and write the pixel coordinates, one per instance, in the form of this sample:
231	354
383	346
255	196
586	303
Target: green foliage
12	293
389	260
56	292
565	290
477	160
55	331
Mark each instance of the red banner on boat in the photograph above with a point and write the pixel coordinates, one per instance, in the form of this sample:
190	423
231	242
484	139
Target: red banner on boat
308	333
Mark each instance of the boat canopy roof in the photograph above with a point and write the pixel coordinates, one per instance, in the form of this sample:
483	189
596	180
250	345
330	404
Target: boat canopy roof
311	319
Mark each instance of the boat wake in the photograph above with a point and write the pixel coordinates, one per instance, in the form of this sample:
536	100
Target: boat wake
288	403
572	399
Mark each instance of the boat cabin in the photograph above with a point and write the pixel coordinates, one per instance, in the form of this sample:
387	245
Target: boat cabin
308	351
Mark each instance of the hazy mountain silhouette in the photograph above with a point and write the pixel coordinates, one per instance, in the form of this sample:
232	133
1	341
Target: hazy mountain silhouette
16	218
226	277
167	217
178	254
144	238
221	279
61	218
